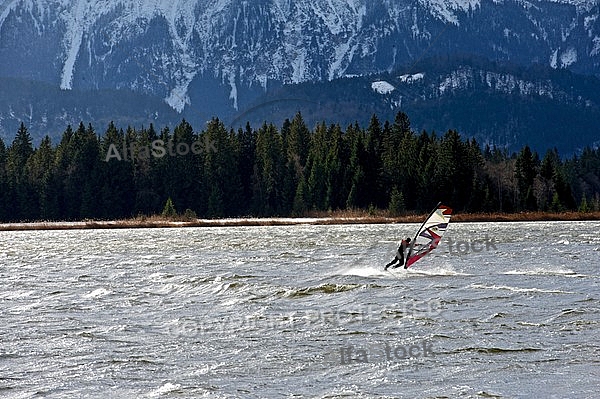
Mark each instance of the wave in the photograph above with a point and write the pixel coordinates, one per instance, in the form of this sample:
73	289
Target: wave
365	271
321	289
545	272
530	324
437	271
518	289
369	271
576	313
97	293
167	388
497	350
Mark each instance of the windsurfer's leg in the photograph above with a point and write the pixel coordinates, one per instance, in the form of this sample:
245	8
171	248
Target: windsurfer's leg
390	264
400	262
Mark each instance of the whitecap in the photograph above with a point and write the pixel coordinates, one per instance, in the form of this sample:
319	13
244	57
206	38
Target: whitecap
167	388
97	293
366	271
518	289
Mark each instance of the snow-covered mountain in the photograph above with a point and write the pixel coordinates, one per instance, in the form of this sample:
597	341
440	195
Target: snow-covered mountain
216	57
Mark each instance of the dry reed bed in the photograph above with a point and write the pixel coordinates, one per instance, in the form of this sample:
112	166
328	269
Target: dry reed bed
323	218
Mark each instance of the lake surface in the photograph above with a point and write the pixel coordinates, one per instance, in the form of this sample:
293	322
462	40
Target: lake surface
301	311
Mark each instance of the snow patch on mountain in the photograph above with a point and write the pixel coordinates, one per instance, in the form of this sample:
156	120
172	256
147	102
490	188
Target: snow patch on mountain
467	78
458	79
596	49
445	10
382	87
411	78
568	57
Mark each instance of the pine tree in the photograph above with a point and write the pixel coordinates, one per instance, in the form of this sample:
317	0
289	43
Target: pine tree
301	199
583	206
221	171
185	170
396	206
296	138
335	194
21	196
525	173
375	194
18	154
40	172
426	165
556	205
355	175
4	188
317	173
117	190
169	209
247	154
146	172
268	171
88	160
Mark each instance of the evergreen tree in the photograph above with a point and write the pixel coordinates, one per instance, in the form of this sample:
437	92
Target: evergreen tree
301	198
21	195
525	173
297	143
117	191
375	195
317	177
396	206
221	172
355	174
146	173
247	152
428	154
184	177
455	171
335	193
548	168
40	172
18	154
479	198
408	161
563	191
89	173
169	209
267	198
583	206
4	188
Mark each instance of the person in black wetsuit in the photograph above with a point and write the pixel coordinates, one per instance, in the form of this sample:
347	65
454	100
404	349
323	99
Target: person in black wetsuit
399	254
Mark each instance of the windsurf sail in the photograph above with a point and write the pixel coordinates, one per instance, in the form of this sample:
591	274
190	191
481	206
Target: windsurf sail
429	235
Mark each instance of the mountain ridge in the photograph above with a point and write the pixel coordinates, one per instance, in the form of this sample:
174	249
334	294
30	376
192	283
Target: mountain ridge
204	58
160	47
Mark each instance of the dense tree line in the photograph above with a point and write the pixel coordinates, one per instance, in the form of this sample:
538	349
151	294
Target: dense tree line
270	171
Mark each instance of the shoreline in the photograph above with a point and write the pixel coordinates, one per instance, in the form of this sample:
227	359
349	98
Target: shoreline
325	219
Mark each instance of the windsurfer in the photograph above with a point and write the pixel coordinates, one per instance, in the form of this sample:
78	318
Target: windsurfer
399	254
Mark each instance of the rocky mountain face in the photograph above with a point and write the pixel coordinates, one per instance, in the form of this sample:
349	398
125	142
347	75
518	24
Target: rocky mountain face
218	58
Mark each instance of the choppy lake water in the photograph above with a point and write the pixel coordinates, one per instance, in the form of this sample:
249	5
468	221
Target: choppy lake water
301	311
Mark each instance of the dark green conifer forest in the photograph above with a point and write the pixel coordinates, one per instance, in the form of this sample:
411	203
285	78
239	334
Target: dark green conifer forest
286	171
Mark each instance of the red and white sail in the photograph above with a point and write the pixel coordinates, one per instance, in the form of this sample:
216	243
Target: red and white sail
430	234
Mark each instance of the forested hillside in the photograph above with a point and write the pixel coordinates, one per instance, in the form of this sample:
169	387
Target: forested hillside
281	171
